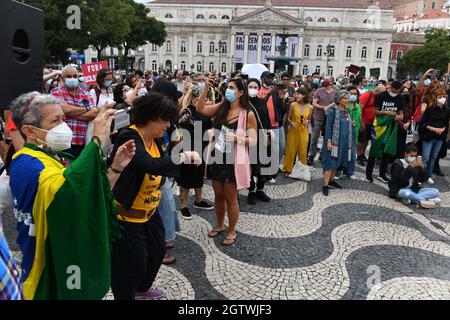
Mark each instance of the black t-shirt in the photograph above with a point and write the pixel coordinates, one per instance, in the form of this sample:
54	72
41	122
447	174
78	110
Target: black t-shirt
384	102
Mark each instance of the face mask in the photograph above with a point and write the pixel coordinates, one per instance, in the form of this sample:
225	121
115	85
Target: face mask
71	82
252	92
201	85
427	82
411	159
393	95
441	101
230	96
316	81
83	86
58	138
352	98
266	86
107	83
142	92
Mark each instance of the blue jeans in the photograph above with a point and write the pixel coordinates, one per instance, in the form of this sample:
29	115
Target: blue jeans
168	212
423	194
430	151
280	137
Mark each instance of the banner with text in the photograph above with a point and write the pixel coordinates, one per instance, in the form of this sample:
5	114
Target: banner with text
90	71
266	48
239	49
253	48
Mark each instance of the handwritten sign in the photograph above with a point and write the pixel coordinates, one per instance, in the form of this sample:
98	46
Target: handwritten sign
90	71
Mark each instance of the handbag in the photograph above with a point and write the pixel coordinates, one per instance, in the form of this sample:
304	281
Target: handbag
301	172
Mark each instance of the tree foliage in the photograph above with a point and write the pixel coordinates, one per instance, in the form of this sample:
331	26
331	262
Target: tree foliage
434	54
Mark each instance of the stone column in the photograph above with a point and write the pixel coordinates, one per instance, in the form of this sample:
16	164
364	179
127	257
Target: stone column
339	68
175	52
190	48
356	55
245	48
232	51
272	52
298	66
258	59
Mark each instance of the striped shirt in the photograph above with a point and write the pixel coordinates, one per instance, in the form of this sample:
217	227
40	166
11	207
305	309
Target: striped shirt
10	288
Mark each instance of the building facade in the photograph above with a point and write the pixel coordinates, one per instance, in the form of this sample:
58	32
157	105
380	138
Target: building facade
401	44
419	24
417	8
326	36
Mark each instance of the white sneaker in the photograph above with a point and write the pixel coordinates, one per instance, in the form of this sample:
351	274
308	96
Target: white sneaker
336	178
426	204
353	177
406	201
273	181
430	181
436	200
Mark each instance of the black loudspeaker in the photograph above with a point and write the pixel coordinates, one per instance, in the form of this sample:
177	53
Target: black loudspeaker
21	50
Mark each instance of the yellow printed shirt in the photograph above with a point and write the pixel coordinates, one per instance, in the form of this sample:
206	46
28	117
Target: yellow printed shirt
149	194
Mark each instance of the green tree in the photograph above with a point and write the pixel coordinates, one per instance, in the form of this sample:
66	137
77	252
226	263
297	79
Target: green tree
434	54
144	30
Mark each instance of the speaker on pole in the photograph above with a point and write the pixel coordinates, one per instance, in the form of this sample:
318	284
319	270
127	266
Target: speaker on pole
21	50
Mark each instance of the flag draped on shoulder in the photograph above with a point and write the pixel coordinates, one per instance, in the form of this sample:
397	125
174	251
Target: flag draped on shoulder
74	218
386	129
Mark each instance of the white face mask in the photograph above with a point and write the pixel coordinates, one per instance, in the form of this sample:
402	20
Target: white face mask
58	138
441	101
252	92
393	95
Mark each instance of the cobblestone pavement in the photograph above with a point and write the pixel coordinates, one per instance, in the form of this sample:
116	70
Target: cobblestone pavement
355	244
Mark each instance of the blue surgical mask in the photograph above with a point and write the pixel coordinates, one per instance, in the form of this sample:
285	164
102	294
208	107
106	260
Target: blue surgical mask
107	83
352	98
427	82
71	82
316	81
83	86
411	159
200	85
230	96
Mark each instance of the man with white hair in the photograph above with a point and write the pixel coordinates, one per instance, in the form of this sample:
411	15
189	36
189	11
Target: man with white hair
78	108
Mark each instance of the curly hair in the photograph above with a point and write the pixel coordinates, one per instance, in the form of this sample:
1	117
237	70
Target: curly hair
154	107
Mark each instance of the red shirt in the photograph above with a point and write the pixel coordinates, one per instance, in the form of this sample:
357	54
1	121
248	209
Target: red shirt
367	99
82	99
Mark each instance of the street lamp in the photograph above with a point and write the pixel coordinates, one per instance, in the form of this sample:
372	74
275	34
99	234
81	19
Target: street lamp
328	54
221	45
203	63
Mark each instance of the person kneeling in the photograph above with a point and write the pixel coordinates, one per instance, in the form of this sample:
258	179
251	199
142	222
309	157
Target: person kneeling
406	174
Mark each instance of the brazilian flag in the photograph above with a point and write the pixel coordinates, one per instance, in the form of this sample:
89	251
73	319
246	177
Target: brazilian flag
386	129
74	219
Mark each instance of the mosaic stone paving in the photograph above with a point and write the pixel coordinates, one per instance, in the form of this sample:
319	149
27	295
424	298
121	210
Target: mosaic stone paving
355	244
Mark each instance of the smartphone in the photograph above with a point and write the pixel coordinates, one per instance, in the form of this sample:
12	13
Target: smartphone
419	158
281	86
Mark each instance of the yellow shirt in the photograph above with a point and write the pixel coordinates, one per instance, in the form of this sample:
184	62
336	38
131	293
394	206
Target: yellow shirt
149	195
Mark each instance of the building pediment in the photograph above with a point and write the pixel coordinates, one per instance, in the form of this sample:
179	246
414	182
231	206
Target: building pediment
266	15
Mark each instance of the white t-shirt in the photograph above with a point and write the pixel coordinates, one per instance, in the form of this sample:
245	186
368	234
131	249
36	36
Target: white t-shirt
106	97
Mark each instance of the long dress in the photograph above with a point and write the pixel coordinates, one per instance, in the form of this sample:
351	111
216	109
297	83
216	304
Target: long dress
298	138
342	159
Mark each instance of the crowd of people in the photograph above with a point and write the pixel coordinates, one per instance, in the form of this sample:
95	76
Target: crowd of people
236	131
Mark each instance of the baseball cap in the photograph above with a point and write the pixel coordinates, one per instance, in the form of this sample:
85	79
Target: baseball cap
267	74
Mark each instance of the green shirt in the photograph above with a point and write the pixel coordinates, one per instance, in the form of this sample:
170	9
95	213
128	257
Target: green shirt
355	115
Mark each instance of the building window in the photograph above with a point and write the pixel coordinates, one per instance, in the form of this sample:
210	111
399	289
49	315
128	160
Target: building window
183	65
335	20
305	70
309	19
200	16
346	72
224	67
318	69
211	67
330	70
212	17
168	46
224	47
332	50
225	17
154	65
379	53
399	54
349	52
306	51
183	47
319	51
168	16
154	47
321	20
433	5
211	47
199	66
199	47
364	53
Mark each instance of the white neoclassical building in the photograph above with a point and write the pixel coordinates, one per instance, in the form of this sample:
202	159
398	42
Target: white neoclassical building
326	36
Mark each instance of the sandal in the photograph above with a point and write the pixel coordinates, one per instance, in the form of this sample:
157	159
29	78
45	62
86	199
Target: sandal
168	259
229	241
214	233
169	245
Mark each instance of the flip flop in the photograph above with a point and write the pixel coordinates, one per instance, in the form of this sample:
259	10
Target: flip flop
168	259
215	233
228	240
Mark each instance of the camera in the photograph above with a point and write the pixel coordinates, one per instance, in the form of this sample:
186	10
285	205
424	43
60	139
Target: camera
122	119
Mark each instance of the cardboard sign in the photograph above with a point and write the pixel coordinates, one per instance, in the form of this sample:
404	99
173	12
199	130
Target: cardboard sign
90	71
353	69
